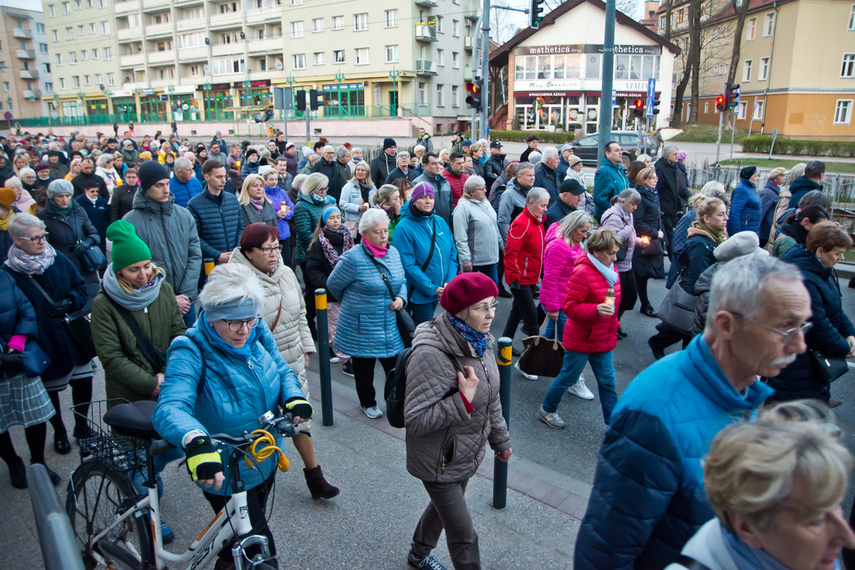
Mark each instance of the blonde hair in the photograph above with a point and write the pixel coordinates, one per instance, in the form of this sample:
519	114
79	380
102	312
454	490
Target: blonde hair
787	459
603	239
367	178
572	222
475	148
643	175
706	206
315	181
244	197
126	285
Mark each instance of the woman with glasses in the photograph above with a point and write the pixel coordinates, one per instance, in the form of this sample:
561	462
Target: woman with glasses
284	311
356	195
476	232
220	378
832	333
451	410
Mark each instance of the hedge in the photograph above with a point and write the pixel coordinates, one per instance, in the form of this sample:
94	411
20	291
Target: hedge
762	143
521	136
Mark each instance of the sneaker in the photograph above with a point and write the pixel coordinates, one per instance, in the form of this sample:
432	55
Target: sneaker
552	420
430	562
348	368
166	532
524	375
832	403
373	412
580	390
334	360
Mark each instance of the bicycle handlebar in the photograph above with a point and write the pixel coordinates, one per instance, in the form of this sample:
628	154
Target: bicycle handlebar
283	426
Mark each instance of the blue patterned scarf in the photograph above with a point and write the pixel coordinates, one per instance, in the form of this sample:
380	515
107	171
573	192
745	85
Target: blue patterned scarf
477	340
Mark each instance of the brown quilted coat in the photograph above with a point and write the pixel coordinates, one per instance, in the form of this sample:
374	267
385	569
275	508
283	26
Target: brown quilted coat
444	443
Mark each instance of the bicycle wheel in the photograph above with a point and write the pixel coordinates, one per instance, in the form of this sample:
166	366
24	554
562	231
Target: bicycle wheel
97	495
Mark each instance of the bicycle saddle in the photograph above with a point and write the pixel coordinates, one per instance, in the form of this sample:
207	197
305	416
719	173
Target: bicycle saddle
133	419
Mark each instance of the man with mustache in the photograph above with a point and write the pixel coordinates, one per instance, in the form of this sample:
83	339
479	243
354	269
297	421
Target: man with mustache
648	496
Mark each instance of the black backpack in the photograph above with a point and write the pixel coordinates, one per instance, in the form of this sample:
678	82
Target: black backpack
396	387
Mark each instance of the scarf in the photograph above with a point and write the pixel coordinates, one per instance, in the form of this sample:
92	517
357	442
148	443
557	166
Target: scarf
796	231
418	213
716	235
390	211
64	212
477	340
330	253
30	264
258	204
609	273
375	250
141	298
4	223
746	557
322	200
365	189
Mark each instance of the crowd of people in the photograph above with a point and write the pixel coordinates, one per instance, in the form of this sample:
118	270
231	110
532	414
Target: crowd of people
206	306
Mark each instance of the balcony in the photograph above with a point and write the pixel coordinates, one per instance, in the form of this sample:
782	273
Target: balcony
426	3
158	30
224	21
135	60
126	7
467	43
191	24
32	93
425	33
267	45
129	35
188	2
156	5
228	49
25	54
193	54
22	34
425	67
29	74
264	15
157	57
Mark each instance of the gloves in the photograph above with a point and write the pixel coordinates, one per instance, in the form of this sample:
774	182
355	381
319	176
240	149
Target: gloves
514	285
203	460
59	309
299	407
11	362
81	247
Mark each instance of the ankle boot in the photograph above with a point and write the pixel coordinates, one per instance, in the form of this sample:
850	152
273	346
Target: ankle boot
18	474
318	486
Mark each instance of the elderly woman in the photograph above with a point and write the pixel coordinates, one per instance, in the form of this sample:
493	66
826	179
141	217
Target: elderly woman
745	206
223	375
451	409
590	335
427	252
775	486
370	283
523	261
23	200
476	232
768	201
648	259
284	311
105	170
284	209
388	198
619	218
356	195
55	289
29	181
832	332
255	206
75	168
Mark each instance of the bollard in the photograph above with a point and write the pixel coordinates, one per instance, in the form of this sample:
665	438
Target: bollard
324	355
500	468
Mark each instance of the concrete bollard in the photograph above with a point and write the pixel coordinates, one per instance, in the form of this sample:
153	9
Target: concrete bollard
500	468
324	355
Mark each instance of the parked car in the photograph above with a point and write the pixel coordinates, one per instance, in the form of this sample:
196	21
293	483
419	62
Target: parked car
586	147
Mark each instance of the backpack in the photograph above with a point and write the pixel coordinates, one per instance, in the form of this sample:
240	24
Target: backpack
396	387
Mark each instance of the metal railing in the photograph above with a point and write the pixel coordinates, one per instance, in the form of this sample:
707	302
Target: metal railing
56	537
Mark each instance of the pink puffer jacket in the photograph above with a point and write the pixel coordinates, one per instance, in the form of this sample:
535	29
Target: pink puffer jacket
558	261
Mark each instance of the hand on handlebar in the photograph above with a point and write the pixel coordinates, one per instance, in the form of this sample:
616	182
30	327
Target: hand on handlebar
203	462
300	409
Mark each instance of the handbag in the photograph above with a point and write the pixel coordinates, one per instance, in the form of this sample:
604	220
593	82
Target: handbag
406	324
624	246
77	326
827	369
35	360
677	309
653	249
91	258
542	356
155	358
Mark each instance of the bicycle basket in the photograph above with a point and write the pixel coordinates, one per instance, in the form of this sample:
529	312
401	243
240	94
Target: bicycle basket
120	452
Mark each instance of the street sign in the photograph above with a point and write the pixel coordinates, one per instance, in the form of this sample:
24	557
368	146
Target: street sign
283	98
614	98
7	115
651	96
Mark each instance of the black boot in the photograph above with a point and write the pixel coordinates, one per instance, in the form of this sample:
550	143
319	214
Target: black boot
318	486
658	351
18	474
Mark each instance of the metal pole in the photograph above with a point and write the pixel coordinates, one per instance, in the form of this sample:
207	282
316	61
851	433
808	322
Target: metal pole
732	131
718	141
324	355
476	51
485	70
606	108
308	118
500	468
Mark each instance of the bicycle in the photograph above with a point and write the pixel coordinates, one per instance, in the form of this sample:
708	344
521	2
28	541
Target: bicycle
116	527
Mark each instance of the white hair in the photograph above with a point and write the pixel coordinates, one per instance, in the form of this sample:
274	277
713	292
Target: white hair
25	171
182	163
372	217
340	152
471	184
15	183
328	148
231	283
355	149
20	222
419	147
536	195
297	183
103	159
550	152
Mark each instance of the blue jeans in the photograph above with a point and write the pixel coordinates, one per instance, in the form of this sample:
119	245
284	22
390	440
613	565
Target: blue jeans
160	462
190	316
574	362
550	326
422	313
488	270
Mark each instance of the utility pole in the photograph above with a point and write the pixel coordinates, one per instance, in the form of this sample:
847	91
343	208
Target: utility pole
485	70
608	80
477	47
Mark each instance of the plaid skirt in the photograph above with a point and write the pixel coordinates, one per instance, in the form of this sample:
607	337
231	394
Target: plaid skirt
23	401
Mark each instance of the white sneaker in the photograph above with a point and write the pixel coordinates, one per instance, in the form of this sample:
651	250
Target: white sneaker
524	375
373	412
334	360
580	390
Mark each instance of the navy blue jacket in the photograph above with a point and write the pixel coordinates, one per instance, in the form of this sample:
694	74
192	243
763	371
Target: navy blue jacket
768	202
744	209
17	315
697	256
218	222
830	328
184	191
648	497
99	214
556	212
548	178
801	186
678	244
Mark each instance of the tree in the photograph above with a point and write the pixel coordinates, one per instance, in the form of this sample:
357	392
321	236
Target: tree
692	65
740	9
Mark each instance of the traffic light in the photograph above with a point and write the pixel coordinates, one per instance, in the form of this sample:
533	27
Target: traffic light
536	13
656	105
473	97
315	99
720	105
638	108
301	100
263	117
731	94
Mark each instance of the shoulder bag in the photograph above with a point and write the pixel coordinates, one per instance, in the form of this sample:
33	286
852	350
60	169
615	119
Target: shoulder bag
155	358
827	369
35	360
91	258
406	325
624	246
677	309
77	327
542	356
654	248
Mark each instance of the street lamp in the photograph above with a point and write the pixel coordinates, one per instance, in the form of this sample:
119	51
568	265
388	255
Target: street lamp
339	76
393	75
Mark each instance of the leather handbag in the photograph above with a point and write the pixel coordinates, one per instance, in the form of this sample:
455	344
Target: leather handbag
678	309
35	360
92	258
542	356
406	324
827	369
621	253
77	326
654	248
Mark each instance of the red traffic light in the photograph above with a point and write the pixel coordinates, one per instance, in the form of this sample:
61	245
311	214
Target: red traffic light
638	104
472	88
719	103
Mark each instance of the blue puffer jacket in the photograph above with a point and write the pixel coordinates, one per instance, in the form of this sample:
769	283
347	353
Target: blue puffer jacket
237	391
366	327
648	497
744	209
610	180
184	191
412	238
218	221
678	244
17	315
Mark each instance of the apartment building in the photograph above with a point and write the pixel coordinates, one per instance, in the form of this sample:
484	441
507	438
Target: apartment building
25	72
796	66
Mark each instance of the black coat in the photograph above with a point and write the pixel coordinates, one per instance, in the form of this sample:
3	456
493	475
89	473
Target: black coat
5	243
64	232
648	222
98	213
398	173
547	178
494	167
672	189
801	186
556	212
380	166
332	172
122	201
697	257
79	183
318	267
831	326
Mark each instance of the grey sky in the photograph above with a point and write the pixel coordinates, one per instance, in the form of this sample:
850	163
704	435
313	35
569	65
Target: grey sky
23	4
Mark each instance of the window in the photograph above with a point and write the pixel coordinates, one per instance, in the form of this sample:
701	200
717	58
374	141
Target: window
848	70
851	19
52	11
763	71
3	66
769	24
392	54
422	93
455	60
61	83
706	107
455	28
758	110
75	81
227	66
84	55
47	67
43	48
54	36
746	70
48	87
843	112
661	22
296	29
111	79
91	27
360	56
105	28
391	19
40	28
59	59
318	25
72	57
81	30
298	61
69	33
78	4
296	2
98	78
319	58
86	80
741	110
455	96
750	29
440	57
102	3
66	8
338	22
439	98
360	22
338	56
108	53
439	29
7	87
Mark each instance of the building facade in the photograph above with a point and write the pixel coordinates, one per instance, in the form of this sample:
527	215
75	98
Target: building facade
25	72
796	67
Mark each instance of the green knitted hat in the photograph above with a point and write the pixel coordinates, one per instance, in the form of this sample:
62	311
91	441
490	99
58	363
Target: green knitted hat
128	248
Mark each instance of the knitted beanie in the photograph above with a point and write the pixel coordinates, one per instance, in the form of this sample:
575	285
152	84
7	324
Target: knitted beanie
60	186
422	189
7	197
128	248
388	143
151	172
465	290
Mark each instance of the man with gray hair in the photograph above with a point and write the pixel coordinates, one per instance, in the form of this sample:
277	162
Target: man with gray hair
184	185
547	175
513	198
328	165
648	496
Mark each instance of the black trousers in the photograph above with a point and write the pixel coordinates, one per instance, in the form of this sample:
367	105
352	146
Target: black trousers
628	291
668	336
525	309
448	510
286	250
309	298
363	374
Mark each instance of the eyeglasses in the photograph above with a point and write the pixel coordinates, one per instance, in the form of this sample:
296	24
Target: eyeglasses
37	239
787	335
489	308
237	326
269	250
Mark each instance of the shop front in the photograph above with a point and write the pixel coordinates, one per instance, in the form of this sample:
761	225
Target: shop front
217	97
344	100
252	95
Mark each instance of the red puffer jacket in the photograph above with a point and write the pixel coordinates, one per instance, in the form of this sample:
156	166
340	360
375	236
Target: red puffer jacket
524	249
585	330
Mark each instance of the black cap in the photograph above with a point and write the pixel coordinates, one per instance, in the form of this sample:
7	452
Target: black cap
572	185
150	172
495	144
